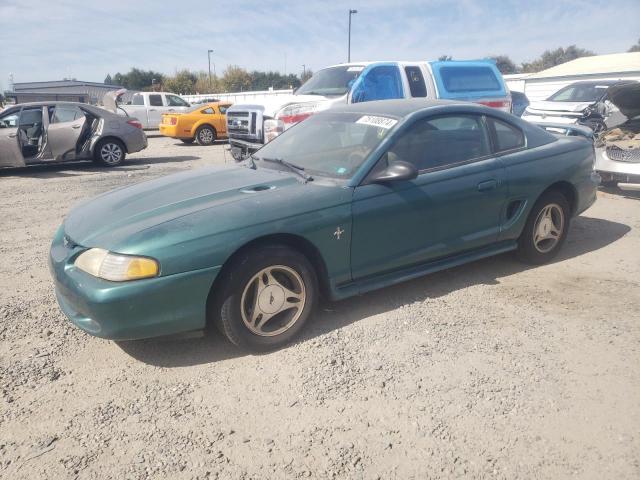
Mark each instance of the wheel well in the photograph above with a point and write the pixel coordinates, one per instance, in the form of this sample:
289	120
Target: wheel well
206	125
295	242
568	191
111	137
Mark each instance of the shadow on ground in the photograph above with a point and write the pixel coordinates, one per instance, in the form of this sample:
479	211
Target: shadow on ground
586	235
74	169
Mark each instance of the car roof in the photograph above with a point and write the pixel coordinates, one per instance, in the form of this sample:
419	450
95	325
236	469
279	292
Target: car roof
397	108
601	82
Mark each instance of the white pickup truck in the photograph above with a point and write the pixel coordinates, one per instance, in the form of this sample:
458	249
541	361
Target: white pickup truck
251	126
147	107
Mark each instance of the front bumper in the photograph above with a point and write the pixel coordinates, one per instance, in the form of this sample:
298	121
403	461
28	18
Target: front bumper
128	310
612	170
533	118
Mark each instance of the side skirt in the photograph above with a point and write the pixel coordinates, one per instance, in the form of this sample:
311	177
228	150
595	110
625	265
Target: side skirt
387	279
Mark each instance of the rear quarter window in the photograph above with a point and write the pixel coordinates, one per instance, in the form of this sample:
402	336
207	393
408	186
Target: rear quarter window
470	79
506	137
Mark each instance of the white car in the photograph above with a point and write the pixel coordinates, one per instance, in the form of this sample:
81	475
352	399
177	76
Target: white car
618	147
147	107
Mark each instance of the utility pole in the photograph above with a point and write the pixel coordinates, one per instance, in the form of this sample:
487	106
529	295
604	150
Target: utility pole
351	12
209	52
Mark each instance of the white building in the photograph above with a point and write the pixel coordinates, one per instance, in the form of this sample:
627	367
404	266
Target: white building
541	85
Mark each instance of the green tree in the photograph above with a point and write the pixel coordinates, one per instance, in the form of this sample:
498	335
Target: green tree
504	64
551	58
108	80
183	82
636	47
235	79
137	79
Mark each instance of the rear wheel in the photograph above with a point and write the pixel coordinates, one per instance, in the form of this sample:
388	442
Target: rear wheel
546	229
188	140
109	152
609	183
205	135
267	296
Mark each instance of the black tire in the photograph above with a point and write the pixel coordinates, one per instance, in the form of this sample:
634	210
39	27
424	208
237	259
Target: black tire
545	248
109	152
239	288
188	140
206	135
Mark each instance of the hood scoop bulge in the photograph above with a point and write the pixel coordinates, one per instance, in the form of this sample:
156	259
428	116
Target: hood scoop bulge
258	188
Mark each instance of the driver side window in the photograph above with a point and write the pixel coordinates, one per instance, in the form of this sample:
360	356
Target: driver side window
380	83
440	142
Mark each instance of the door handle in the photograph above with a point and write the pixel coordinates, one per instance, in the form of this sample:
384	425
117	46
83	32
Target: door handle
75	126
152	110
487	185
12	135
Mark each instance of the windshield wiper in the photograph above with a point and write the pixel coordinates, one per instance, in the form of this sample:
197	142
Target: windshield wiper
294	168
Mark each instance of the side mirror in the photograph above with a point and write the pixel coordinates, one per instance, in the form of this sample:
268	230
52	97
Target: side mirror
399	170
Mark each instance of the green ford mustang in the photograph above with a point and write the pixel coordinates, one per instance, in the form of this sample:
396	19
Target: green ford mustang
350	200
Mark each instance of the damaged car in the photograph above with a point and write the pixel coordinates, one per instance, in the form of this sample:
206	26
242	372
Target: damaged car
618	147
46	132
581	103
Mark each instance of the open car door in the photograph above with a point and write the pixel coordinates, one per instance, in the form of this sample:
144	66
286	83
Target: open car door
10	152
65	127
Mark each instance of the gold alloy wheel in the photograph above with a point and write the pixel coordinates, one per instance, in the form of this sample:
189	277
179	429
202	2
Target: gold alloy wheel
273	300
548	228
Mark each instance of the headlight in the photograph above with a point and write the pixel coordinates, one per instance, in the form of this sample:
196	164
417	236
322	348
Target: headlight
587	112
115	267
272	128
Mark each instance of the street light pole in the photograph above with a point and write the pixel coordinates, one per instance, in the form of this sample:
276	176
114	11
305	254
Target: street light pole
209	52
351	12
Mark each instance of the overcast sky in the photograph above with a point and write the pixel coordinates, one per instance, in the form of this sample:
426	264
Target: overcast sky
52	39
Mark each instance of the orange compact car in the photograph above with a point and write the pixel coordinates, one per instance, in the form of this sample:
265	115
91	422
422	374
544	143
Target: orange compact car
203	123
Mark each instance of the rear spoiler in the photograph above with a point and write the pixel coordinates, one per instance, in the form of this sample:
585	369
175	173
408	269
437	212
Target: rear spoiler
567	130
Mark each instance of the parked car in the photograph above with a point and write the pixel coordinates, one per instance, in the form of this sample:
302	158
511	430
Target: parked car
519	103
146	106
350	200
64	131
618	147
251	126
202	123
582	103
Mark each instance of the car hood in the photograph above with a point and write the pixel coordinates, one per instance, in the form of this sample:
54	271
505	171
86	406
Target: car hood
272	105
627	98
570	107
111	219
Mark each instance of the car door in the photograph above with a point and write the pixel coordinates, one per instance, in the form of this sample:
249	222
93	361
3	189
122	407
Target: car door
176	104
454	204
65	127
155	110
10	152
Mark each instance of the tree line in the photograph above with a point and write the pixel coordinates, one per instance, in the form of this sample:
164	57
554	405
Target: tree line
237	79
187	82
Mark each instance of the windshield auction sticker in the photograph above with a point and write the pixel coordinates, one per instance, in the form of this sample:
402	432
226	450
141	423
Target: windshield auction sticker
382	122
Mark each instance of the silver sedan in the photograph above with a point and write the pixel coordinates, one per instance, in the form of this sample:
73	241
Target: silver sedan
46	132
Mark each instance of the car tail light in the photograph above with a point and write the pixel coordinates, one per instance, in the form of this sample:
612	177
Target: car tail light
504	105
135	123
173	121
292	114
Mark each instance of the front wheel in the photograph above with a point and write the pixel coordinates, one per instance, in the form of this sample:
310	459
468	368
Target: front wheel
267	296
546	229
109	152
205	135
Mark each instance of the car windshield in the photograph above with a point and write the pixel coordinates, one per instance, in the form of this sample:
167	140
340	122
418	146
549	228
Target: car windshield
331	81
329	144
589	92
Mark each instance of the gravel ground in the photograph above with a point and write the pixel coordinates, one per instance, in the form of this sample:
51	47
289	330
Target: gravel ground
489	370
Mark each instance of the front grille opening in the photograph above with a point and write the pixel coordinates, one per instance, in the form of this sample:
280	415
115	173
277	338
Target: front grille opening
253	122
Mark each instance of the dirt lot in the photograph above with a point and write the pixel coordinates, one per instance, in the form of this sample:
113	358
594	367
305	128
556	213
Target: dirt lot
490	370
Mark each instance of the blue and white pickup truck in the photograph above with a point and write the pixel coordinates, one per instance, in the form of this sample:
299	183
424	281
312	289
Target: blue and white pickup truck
250	126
